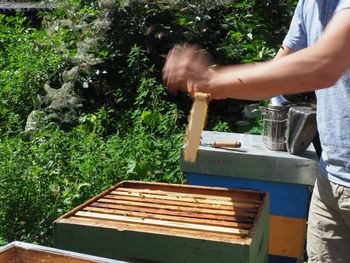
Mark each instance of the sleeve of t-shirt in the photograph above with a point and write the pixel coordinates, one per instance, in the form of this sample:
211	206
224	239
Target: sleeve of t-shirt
343	4
296	37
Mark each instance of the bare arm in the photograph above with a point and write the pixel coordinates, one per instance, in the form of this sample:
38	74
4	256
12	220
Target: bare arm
284	51
312	68
315	67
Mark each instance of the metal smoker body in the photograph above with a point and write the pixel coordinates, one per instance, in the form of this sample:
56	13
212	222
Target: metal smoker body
275	123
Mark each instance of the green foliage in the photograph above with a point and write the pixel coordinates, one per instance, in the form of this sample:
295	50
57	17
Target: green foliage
221	126
26	63
232	31
257	125
56	171
43	178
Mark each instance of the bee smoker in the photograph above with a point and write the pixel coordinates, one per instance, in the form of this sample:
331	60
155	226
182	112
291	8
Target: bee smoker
288	128
275	123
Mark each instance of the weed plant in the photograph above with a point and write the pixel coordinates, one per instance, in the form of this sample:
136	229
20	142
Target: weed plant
56	171
26	63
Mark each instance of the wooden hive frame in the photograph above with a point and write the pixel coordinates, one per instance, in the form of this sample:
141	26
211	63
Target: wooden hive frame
158	208
196	123
158	222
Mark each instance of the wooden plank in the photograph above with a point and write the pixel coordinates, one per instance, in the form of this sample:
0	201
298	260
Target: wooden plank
178	208
18	254
25	255
8	255
188	199
170	208
262	209
171	188
287	236
194	189
196	122
163	223
180	195
213	222
72	212
155	229
179	203
240	219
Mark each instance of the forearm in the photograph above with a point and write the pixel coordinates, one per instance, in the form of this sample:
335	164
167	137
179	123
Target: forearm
300	71
312	68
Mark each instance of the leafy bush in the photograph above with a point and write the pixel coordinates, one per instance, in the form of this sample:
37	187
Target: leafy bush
42	179
232	31
26	63
55	171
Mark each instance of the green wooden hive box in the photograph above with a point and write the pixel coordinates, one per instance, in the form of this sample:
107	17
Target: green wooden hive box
156	222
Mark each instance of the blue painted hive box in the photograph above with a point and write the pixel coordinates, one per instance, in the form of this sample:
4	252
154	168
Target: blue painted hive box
288	178
157	222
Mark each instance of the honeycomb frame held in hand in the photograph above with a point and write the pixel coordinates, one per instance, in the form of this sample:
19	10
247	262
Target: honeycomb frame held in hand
196	123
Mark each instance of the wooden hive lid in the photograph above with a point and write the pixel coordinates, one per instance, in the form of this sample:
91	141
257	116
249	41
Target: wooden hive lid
209	213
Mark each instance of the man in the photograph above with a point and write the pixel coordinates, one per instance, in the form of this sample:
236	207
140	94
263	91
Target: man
315	56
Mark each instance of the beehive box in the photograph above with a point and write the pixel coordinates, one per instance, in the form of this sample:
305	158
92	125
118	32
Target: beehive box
19	252
156	222
286	177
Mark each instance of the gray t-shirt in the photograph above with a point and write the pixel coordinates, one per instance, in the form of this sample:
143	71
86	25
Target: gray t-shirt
333	103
